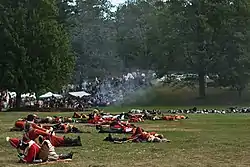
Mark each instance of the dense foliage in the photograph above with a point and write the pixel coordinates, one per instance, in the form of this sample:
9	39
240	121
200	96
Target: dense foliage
202	37
35	47
197	36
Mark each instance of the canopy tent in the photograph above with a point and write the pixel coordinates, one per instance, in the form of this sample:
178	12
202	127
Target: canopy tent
28	95
32	95
79	94
50	94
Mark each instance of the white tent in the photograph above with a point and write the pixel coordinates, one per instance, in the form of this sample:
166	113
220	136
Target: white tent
79	94
50	94
13	95
29	95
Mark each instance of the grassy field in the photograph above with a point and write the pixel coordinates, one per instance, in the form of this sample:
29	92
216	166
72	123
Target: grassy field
202	140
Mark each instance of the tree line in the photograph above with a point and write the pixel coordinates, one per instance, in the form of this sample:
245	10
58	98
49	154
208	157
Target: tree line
47	43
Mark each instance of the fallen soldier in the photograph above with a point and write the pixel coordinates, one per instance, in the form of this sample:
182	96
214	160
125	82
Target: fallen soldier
116	127
77	115
173	117
57	141
139	136
55	120
47	152
63	128
178	117
21	123
136	118
97	120
31	152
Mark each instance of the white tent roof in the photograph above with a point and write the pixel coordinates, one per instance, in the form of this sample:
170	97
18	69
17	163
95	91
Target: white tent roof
28	95
79	94
50	94
13	94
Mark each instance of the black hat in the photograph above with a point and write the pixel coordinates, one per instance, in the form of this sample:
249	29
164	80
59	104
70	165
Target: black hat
30	117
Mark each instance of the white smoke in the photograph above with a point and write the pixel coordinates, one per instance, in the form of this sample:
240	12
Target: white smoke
126	87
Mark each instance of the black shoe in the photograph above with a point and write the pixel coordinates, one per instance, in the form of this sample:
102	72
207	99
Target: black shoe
66	156
75	130
79	143
109	138
71	155
98	127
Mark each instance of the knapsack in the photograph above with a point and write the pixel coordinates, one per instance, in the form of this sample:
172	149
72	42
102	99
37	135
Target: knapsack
44	152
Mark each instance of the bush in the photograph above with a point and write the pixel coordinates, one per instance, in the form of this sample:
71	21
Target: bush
167	96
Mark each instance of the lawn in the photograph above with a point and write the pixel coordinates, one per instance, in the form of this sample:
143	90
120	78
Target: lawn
203	140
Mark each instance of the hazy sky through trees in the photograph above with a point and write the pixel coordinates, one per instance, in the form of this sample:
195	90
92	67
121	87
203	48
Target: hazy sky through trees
117	2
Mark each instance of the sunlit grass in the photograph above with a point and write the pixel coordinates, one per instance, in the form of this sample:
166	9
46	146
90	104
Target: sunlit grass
202	140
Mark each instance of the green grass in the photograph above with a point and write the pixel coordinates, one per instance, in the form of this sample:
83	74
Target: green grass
202	140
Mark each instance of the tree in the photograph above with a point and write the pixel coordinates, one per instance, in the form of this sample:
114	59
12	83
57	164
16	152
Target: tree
35	54
67	9
193	36
93	41
234	67
132	26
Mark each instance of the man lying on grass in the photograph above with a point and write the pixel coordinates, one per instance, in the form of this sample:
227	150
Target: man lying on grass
33	152
116	127
63	128
57	128
31	132
139	136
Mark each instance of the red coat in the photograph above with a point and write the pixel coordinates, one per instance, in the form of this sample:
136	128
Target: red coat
34	133
31	152
21	123
64	127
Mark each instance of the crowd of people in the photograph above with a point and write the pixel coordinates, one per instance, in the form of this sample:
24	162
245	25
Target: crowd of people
102	93
114	89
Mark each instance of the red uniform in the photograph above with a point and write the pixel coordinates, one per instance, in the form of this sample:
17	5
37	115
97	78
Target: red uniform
168	118
136	118
31	152
34	133
21	124
64	127
140	135
95	120
121	125
35	126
